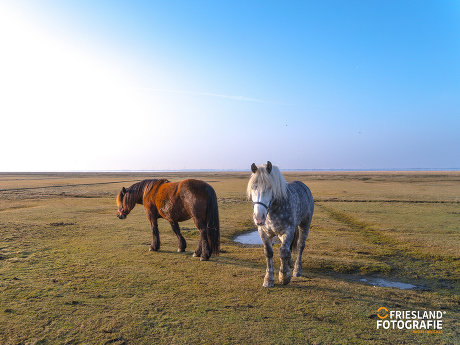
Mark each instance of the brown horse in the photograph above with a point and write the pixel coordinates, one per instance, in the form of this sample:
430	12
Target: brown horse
176	202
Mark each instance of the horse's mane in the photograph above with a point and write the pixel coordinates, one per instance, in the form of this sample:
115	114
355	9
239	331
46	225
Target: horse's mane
263	180
137	191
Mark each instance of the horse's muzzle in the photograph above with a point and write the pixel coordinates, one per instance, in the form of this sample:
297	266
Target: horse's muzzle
259	222
121	216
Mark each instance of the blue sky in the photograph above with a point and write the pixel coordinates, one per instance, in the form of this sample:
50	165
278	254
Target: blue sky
138	85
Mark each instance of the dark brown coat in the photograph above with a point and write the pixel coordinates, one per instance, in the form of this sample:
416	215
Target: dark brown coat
176	202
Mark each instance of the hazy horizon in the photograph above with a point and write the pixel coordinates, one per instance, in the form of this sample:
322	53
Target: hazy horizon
161	86
234	170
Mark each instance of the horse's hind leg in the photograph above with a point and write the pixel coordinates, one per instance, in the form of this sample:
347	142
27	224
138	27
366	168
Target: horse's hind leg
285	257
182	243
203	249
199	249
197	252
303	234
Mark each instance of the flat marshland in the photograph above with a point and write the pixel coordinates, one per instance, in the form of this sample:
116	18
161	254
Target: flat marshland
71	272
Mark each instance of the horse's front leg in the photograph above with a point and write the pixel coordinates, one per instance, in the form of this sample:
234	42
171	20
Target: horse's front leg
285	257
155	246
269	279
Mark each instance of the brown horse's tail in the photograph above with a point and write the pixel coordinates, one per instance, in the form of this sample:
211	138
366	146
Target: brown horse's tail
212	221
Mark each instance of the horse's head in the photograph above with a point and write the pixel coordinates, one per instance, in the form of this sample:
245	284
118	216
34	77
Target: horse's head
124	203
260	190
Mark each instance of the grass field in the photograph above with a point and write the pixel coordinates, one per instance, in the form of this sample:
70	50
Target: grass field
72	273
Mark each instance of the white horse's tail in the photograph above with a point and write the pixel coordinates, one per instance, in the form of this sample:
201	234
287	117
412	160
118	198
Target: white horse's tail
295	240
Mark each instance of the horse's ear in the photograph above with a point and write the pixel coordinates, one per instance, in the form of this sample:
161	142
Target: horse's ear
123	190
253	168
269	166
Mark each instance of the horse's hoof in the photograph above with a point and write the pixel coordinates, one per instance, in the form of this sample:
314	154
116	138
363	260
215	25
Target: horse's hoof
195	255
268	284
204	259
297	273
284	279
180	250
153	249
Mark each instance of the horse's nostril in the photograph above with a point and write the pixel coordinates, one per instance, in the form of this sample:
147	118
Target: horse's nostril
260	222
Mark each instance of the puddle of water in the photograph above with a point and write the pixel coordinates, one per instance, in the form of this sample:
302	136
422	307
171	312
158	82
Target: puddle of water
249	238
387	283
253	237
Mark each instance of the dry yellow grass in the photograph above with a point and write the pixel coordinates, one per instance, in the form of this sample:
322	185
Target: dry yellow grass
72	273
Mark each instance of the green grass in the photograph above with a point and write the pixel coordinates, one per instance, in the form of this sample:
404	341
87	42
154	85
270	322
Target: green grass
72	273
